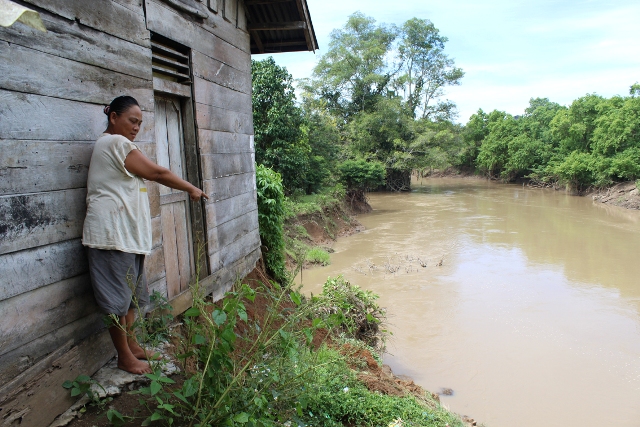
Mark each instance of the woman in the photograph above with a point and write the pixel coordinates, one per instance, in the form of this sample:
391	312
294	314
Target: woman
117	228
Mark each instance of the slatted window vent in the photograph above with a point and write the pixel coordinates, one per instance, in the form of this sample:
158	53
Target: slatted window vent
170	60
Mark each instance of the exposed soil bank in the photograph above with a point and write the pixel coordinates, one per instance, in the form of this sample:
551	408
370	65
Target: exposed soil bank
626	195
322	228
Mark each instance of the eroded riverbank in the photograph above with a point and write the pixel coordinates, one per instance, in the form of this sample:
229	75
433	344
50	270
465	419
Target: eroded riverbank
526	306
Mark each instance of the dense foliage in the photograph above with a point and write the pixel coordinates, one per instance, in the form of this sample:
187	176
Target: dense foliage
376	96
270	220
593	142
258	358
277	123
361	175
383	85
299	144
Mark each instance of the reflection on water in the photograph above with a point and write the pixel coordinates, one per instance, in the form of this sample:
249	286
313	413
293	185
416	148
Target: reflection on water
533	316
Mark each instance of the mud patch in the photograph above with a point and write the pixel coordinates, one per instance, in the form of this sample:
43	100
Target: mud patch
625	195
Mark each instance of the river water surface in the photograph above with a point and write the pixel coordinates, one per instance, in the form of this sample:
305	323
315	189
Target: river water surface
533	316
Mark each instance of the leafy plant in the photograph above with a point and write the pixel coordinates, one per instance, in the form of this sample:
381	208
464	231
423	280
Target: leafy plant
318	255
84	385
159	319
352	310
270	195
337	398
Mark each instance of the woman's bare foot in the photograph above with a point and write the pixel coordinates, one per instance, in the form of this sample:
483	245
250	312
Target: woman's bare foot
133	365
141	353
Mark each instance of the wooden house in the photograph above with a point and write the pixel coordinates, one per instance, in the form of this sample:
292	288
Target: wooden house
188	63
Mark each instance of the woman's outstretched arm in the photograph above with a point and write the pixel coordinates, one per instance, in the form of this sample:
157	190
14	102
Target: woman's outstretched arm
138	164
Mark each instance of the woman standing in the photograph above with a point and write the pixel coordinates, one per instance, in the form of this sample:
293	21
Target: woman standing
117	228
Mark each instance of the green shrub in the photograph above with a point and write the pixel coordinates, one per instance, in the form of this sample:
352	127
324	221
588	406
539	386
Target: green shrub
318	256
336	398
361	174
271	220
352	310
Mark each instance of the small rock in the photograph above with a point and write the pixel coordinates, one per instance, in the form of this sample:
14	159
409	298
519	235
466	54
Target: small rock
446	392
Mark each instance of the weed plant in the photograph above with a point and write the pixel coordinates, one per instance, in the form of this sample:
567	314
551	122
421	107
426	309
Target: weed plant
327	200
318	256
352	310
253	371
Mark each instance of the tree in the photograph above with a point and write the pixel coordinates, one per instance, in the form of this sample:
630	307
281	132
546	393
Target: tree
354	73
425	70
321	132
277	121
360	175
374	79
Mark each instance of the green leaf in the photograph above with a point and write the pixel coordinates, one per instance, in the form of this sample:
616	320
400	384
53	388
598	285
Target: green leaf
156	416
199	339
67	384
75	392
308	334
167	407
242	417
219	316
295	297
189	387
317	323
228	335
115	417
243	315
180	396
155	387
83	378
192	312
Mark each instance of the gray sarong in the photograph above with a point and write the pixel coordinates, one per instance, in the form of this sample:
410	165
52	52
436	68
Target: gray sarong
115	277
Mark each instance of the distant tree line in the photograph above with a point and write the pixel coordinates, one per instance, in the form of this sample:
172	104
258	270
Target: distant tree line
374	111
593	142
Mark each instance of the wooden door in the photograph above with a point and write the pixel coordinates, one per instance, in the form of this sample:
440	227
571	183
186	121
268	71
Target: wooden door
174	204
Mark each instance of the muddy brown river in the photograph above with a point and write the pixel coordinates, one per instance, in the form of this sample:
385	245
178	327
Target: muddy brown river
533	316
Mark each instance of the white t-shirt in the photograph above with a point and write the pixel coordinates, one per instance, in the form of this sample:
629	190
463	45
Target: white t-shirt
118	216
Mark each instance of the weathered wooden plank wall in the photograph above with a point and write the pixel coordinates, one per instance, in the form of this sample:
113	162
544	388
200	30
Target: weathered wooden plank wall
92	52
52	93
223	110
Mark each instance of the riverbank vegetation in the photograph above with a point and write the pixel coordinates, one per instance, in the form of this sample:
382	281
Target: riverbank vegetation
374	111
266	355
594	142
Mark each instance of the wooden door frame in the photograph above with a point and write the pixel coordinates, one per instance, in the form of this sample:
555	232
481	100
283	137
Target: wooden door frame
183	93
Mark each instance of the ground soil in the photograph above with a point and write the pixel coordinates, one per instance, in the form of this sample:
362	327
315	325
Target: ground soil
323	228
626	195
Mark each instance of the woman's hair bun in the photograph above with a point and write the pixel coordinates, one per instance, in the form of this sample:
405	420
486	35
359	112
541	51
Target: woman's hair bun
120	105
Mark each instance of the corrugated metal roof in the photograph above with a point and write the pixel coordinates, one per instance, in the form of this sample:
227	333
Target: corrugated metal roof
280	26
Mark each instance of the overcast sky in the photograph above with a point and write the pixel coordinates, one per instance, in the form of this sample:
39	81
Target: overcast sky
510	50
